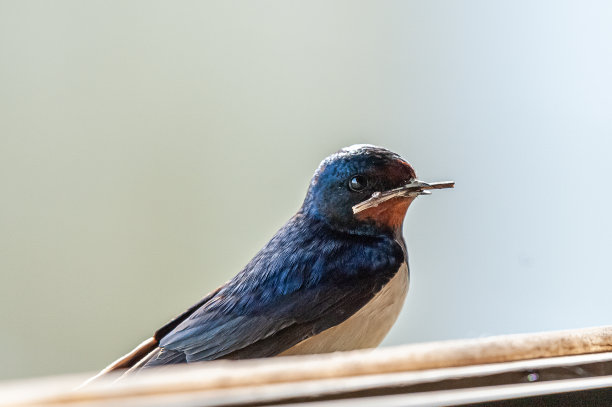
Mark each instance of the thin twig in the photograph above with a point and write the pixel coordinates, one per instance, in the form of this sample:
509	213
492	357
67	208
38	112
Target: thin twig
414	188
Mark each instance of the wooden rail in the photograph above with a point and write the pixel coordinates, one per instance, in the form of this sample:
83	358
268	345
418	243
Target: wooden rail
337	375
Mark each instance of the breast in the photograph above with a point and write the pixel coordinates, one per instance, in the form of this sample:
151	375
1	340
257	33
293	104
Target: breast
367	327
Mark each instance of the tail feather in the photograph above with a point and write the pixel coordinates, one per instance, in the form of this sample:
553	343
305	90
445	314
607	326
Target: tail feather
129	360
159	357
149	350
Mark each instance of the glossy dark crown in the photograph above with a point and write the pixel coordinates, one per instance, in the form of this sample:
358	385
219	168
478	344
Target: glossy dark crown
329	197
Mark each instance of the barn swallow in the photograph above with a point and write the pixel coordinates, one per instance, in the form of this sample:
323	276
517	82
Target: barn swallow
333	278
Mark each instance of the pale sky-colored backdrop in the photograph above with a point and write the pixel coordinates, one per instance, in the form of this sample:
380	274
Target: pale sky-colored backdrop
148	149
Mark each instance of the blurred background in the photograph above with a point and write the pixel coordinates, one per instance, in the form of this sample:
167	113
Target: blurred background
148	149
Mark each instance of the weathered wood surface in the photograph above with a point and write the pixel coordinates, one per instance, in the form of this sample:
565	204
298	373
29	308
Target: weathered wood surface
287	378
528	392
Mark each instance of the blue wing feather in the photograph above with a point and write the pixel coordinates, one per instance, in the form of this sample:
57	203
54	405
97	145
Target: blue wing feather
308	278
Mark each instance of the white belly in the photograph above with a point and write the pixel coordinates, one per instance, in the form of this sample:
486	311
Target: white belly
367	327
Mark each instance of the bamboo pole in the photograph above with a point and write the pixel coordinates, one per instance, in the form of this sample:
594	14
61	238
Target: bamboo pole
219	375
476	395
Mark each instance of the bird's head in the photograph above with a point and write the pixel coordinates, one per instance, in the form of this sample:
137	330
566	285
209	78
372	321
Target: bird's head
363	189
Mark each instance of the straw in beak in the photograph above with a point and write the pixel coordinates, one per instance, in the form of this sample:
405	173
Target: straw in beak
410	190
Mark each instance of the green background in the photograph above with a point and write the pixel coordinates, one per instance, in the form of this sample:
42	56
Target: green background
148	149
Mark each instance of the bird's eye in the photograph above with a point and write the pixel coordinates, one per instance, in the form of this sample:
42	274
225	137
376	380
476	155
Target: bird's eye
358	183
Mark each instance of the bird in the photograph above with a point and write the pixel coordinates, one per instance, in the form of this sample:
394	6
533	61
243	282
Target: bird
333	278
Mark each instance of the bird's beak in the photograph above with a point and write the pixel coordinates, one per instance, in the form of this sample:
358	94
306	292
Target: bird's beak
411	190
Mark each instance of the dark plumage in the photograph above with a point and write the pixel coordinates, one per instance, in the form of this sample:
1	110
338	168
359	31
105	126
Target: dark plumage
319	269
306	279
